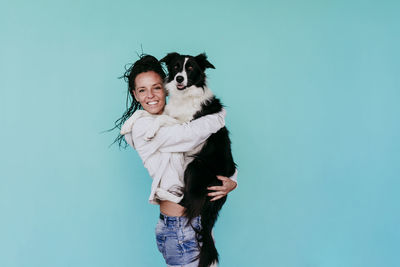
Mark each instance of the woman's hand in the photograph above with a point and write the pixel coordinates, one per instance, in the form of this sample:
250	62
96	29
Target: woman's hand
220	191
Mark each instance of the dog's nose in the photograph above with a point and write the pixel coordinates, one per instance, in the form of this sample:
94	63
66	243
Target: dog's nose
179	79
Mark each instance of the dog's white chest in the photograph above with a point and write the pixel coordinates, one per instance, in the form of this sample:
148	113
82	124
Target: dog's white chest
183	112
183	106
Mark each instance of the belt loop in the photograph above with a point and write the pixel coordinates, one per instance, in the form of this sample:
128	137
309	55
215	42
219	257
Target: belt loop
163	218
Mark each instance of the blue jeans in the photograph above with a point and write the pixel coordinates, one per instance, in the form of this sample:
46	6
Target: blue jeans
177	242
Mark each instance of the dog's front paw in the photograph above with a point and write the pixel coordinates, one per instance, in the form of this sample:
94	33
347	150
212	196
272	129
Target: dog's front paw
151	133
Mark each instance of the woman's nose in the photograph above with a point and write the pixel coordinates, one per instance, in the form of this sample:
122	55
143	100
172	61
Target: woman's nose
150	94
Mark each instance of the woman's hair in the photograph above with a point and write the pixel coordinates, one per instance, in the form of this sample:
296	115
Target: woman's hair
144	64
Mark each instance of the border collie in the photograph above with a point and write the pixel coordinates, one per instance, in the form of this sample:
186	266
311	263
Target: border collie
190	98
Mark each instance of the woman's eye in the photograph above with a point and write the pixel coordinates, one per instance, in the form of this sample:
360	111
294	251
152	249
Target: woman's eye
158	88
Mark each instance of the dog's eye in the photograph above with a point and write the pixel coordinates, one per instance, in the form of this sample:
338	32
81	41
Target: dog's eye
190	68
175	67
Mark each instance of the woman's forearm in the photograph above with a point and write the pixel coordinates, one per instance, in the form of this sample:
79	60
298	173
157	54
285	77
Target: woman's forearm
177	138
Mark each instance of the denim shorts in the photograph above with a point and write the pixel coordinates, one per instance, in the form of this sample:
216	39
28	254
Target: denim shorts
177	241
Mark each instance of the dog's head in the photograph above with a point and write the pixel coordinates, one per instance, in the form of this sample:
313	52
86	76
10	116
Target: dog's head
185	71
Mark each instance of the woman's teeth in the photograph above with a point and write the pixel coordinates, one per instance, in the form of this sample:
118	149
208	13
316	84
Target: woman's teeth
152	103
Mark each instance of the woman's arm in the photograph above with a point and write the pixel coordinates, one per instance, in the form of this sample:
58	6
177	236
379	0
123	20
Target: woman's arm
228	185
175	138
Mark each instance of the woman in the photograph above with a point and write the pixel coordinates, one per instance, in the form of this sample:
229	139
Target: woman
163	157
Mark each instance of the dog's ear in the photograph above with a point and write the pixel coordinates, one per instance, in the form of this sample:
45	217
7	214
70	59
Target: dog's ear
203	62
169	57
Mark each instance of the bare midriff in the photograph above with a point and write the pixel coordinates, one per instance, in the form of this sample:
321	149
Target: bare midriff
171	208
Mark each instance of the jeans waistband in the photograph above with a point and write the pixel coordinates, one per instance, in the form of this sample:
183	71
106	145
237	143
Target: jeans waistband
176	220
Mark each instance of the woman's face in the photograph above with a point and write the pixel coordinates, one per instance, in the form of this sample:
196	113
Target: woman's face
149	92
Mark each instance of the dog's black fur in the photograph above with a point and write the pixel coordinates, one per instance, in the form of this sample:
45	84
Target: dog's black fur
214	158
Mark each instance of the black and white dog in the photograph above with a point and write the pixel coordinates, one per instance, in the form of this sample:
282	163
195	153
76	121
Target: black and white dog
190	98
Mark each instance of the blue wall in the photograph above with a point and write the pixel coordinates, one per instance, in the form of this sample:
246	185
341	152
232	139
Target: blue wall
312	90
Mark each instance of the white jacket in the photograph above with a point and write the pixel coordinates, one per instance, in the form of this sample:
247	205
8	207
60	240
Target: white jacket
163	156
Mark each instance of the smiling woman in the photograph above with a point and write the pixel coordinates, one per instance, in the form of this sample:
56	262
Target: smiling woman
149	92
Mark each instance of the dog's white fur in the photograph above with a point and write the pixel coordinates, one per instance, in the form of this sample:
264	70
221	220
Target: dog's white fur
181	107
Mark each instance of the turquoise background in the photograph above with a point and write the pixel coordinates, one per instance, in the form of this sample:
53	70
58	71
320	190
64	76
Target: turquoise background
312	96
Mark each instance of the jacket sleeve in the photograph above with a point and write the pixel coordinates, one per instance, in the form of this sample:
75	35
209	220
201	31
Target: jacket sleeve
234	176
176	138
